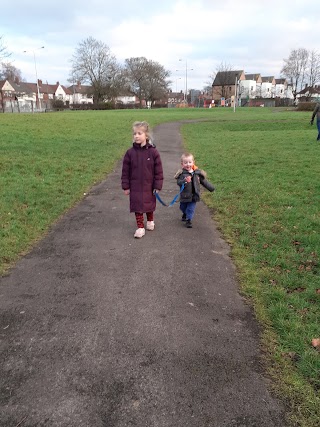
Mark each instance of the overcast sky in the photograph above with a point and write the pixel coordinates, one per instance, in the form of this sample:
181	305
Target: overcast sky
253	35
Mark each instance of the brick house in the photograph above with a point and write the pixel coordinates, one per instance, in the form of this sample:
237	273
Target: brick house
224	84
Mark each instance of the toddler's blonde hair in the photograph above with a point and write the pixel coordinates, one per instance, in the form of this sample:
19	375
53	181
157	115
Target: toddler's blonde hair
185	155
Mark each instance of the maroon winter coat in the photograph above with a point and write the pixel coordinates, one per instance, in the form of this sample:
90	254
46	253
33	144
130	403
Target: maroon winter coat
141	174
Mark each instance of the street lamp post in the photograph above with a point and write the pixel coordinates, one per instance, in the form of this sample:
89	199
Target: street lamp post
35	67
235	93
190	69
179	78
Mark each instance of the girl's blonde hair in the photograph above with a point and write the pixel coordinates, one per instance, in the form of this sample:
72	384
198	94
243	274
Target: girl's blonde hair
146	128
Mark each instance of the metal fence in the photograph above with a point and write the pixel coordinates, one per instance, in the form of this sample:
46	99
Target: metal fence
24	106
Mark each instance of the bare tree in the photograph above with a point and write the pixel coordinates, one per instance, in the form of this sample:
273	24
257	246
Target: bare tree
313	71
295	69
93	63
136	72
3	49
146	79
10	72
156	85
208	88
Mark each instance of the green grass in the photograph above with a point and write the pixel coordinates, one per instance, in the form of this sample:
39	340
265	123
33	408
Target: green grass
265	165
267	206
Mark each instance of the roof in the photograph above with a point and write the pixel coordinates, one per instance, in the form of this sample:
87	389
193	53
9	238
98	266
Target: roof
79	88
224	78
309	89
23	87
29	88
281	81
252	76
267	79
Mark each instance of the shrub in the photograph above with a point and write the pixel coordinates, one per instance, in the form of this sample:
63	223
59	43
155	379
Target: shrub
306	106
58	104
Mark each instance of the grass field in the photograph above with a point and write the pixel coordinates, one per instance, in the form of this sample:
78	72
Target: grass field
265	164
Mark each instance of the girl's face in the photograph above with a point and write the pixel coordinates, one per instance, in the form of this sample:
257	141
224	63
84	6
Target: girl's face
187	163
139	135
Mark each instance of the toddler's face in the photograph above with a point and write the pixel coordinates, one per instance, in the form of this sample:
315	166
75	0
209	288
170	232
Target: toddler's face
187	163
139	135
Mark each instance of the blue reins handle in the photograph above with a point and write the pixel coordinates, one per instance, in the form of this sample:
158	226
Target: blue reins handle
159	198
173	201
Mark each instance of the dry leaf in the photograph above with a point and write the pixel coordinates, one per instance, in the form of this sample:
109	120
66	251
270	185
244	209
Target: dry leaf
292	355
316	343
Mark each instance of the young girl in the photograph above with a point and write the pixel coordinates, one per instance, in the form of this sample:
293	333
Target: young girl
191	177
142	176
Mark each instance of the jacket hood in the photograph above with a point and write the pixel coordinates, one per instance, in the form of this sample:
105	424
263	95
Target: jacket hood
149	144
196	171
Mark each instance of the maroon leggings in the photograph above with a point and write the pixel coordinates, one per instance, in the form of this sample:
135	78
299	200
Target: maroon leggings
140	220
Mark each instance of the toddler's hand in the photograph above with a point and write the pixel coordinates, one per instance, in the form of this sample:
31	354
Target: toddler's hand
188	179
155	191
127	192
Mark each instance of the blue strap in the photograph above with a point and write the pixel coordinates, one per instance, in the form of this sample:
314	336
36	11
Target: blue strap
160	200
173	201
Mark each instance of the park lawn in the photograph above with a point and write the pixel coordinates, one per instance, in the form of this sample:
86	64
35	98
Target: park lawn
267	203
265	165
48	161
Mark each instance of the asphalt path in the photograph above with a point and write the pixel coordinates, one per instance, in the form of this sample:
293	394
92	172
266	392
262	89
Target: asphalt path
99	329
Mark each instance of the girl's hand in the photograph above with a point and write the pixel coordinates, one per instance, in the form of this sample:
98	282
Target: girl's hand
127	192
188	179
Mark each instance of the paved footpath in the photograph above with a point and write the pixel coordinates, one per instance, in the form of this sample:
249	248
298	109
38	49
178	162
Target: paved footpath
99	329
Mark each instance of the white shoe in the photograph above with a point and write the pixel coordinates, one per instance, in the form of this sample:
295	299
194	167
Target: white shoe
150	225
140	232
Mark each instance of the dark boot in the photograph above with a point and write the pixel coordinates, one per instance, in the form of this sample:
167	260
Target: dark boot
184	217
188	223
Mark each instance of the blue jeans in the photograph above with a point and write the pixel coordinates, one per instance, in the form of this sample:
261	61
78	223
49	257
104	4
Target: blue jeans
188	208
318	126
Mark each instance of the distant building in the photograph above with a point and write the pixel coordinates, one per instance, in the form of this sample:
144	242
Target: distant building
224	85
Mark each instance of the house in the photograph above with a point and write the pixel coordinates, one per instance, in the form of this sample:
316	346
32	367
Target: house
281	88
51	92
80	94
175	98
268	86
250	87
18	96
6	90
225	83
31	96
309	93
46	92
126	100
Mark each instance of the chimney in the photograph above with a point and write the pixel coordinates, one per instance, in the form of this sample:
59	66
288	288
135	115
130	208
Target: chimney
39	82
57	83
